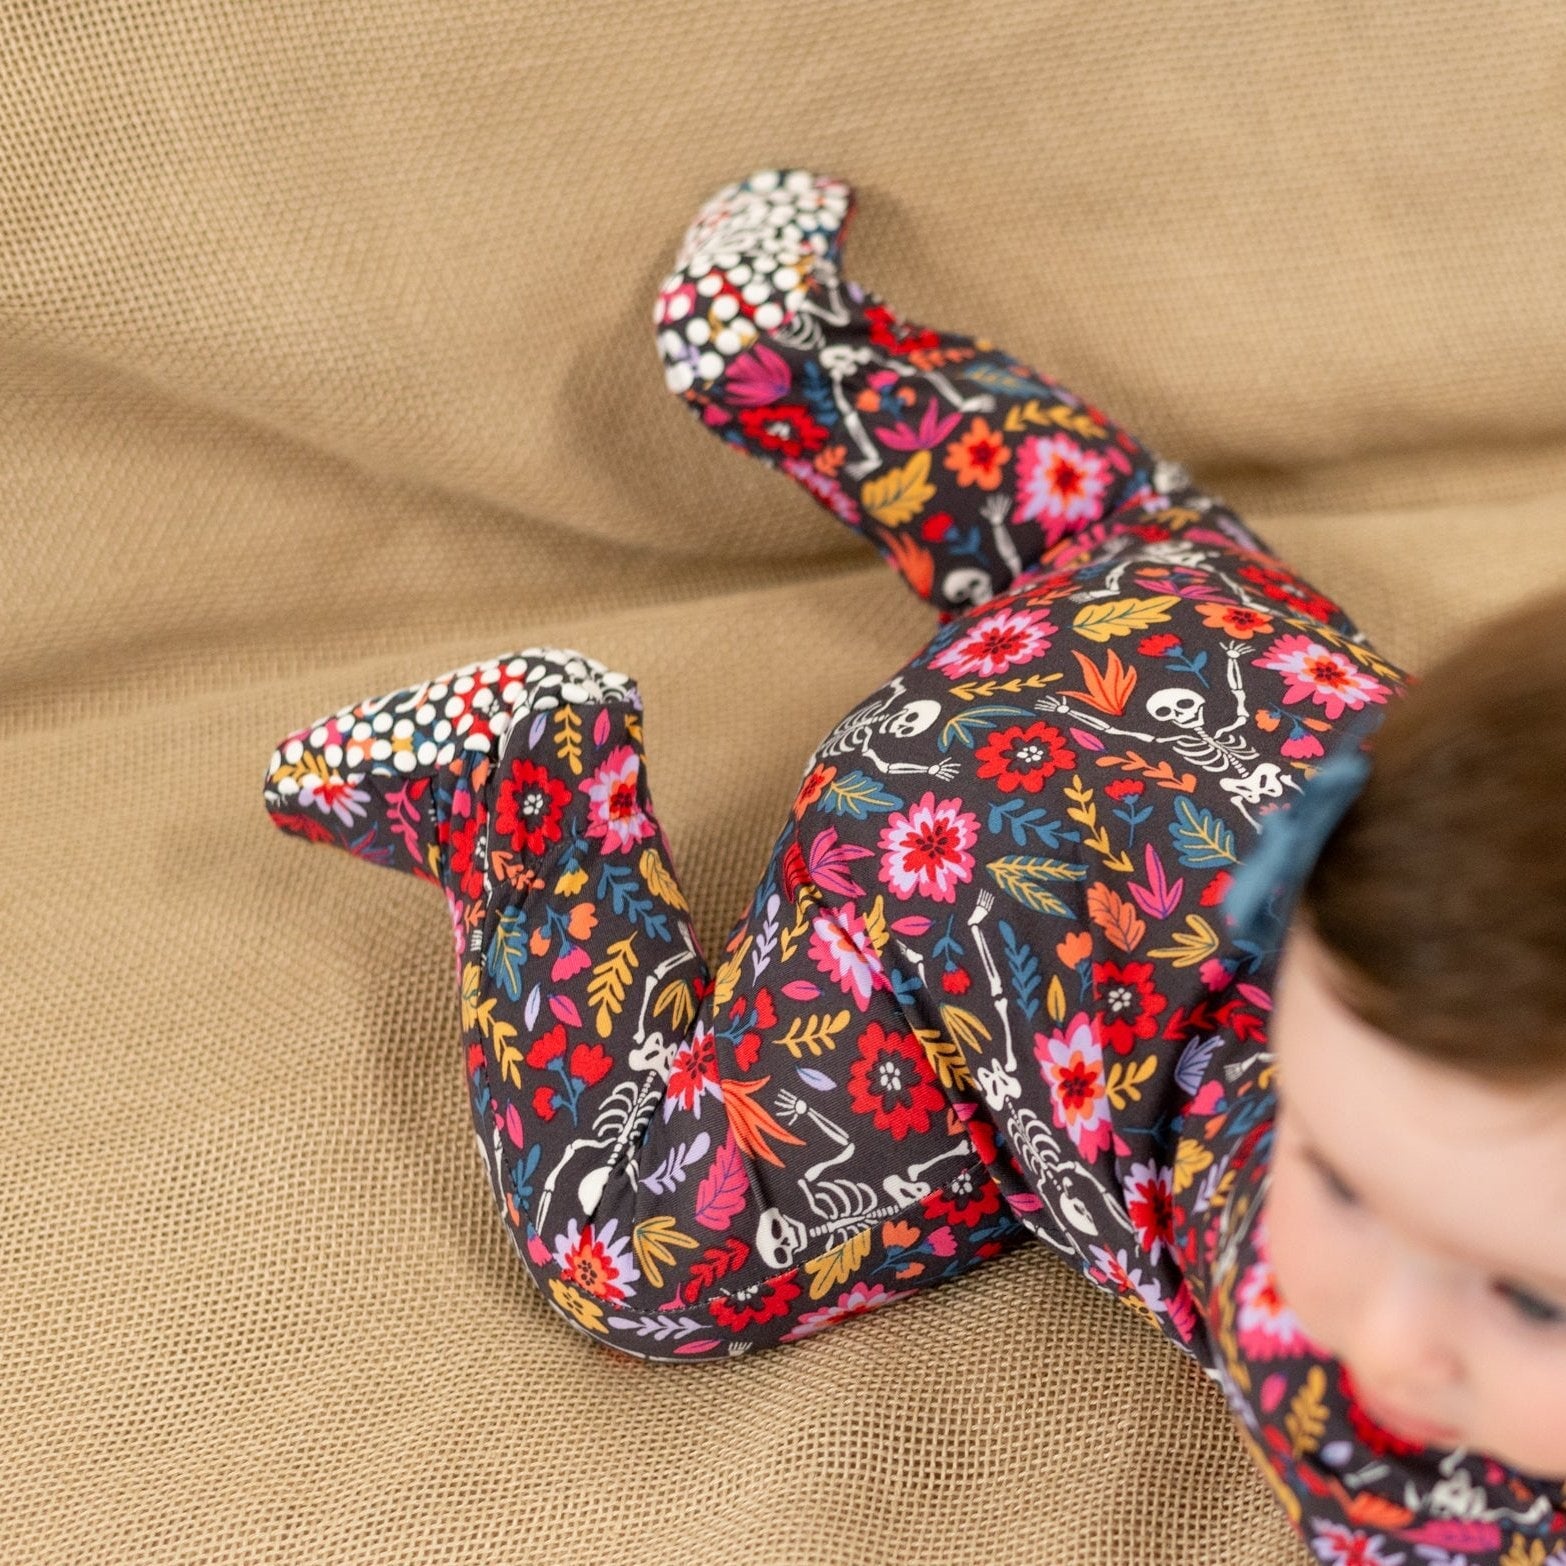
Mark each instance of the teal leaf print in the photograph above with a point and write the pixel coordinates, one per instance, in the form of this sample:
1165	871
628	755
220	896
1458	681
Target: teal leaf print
857	795
1022	964
979	720
507	951
1036	821
1201	839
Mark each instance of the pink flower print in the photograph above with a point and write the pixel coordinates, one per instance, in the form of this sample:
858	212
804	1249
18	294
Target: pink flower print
595	1260
995	643
856	1301
1265	1324
1337	1544
615	812
1150	1206
1329	678
1072	1061
1061	482
841	948
924	850
1302	746
827	490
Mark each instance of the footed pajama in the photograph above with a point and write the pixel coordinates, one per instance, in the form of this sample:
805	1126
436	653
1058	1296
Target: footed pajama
983	991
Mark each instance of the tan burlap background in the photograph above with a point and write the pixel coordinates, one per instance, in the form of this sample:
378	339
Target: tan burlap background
327	363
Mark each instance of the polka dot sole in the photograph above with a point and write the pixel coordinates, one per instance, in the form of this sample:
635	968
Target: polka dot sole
745	266
467	710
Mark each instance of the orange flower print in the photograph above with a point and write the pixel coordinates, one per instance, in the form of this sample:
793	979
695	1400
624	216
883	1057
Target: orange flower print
1235	620
978	456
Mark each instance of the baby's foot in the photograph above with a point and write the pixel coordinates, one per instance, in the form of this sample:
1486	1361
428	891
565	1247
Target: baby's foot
386	777
960	464
746	266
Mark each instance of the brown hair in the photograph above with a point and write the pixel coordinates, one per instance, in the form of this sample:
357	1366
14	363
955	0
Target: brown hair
1441	895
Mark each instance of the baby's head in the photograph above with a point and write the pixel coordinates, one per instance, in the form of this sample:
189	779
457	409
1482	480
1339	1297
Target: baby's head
1416	1214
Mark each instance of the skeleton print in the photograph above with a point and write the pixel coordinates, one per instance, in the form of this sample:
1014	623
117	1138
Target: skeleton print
984	991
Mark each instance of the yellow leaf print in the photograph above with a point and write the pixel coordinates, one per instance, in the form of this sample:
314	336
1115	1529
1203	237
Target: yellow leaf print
679	1000
1098	622
651	1240
1307	1416
727	978
1191	1158
1056	999
1190	946
659	881
838	1265
946	1059
875	925
900	495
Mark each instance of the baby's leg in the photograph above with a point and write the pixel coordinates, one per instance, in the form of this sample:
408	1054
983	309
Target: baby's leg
689	1164
960	464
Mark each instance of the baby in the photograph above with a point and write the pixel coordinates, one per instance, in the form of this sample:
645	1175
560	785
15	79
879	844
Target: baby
1088	925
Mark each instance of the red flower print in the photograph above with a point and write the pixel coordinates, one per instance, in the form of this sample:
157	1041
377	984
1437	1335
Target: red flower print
590	1062
1062	483
892	1082
759	1302
1003	638
544	1098
1131	1004
1235	620
955	981
785	427
967	1199
547	1047
1150	1206
924	850
461	853
1157	646
978	456
898	337
530	807
1125	788
1216	890
1286	589
1330	679
693	1073
813	787
1024	758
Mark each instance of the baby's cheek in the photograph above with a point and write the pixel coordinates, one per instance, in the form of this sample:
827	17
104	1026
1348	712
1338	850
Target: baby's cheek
1306	1262
1527	1409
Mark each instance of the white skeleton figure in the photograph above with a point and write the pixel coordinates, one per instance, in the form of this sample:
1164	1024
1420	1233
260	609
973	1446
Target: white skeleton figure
886	713
622	1116
842	362
845	1206
1057	1171
1184	710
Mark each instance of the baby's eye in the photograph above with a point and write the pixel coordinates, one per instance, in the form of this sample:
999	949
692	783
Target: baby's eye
1530	1306
1340	1193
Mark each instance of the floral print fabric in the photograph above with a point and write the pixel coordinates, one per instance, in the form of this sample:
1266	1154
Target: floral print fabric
983	991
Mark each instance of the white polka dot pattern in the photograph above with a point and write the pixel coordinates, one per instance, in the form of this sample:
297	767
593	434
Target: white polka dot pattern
745	266
423	726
